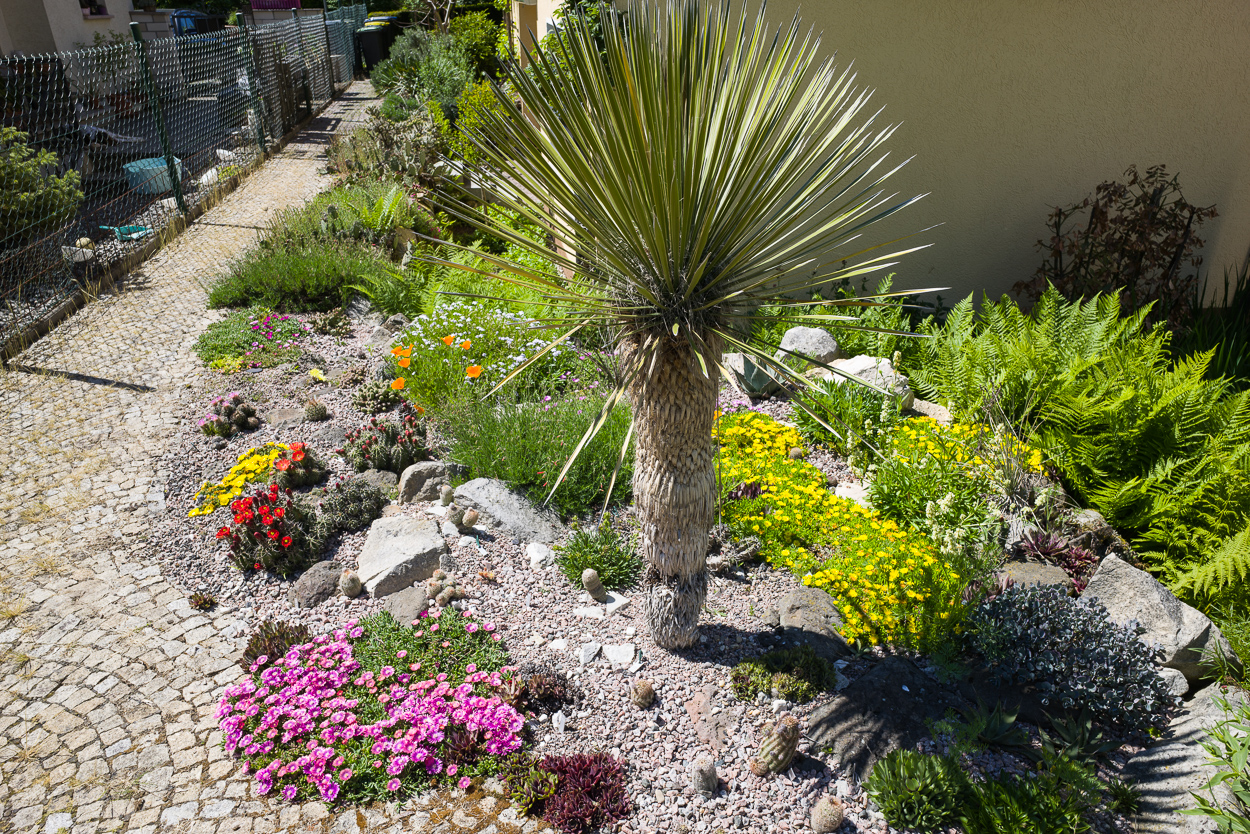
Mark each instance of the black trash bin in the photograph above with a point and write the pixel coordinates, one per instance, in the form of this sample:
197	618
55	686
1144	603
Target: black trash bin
373	49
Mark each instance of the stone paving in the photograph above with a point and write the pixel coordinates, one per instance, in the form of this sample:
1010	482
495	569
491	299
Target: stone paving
108	679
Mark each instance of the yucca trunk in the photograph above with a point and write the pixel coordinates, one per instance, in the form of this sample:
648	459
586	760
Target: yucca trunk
674	490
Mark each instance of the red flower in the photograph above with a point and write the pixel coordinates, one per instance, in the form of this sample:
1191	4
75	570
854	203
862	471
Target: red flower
273	534
279	512
247	502
297	447
222	532
256	566
282	465
286	541
238	519
297	456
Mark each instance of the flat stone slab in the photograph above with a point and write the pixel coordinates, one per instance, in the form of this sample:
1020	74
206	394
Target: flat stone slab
399	552
509	510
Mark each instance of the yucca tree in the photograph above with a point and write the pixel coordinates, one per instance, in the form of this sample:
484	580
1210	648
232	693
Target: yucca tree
696	169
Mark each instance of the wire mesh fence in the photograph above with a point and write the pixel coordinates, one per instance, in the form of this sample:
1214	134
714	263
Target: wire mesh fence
102	147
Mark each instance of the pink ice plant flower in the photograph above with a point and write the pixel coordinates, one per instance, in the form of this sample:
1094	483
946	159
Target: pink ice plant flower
297	721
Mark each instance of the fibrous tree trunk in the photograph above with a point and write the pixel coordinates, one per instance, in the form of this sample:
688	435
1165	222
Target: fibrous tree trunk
674	490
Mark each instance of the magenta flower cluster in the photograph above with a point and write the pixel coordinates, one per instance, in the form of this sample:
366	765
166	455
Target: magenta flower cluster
299	722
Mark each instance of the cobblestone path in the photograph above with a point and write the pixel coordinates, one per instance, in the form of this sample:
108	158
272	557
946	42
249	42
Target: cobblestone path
108	679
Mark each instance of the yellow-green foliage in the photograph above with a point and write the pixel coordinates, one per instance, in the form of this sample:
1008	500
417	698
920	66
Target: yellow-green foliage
473	107
889	584
253	466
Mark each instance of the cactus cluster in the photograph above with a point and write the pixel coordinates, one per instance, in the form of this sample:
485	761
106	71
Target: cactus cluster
297	467
346	506
332	323
374	397
381	444
642	693
444	588
315	410
462	519
229	415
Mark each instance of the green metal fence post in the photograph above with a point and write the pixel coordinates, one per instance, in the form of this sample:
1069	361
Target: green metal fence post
303	56
253	86
171	166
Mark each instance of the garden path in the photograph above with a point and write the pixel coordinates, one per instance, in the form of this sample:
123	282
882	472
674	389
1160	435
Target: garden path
108	678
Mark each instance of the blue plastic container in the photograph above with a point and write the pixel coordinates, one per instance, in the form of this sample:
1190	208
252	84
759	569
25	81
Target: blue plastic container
151	175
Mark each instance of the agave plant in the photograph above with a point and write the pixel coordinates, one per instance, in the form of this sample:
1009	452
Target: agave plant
692	170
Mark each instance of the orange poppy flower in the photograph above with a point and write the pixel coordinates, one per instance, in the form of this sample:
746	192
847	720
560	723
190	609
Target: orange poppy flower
465	344
395	350
474	371
397	384
407	351
405	362
447	340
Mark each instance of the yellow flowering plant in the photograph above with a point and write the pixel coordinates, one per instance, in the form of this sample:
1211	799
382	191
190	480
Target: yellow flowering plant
889	584
254	465
948	484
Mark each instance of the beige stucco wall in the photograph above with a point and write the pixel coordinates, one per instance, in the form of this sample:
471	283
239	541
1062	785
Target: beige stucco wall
1011	107
70	28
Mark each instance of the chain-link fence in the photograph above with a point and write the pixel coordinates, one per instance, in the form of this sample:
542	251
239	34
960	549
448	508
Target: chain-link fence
102	147
341	26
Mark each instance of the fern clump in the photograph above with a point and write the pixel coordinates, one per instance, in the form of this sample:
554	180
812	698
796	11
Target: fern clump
1144	437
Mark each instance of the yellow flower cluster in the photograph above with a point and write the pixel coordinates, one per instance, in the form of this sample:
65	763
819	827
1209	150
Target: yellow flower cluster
889	584
253	465
962	442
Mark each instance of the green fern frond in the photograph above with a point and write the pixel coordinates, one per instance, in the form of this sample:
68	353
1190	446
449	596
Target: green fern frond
1227	565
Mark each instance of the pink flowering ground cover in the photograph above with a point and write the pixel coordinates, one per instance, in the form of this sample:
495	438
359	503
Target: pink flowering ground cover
376	710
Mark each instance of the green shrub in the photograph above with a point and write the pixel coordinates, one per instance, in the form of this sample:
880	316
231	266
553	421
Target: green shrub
604	549
477	35
31	200
1074	656
299	277
794	674
474	104
257	336
917	791
526	445
425	66
1042	804
406	149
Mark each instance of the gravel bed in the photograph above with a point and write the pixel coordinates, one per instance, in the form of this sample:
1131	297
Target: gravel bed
535	613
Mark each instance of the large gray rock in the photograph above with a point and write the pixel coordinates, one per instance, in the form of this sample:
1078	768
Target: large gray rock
1170	768
315	585
810	616
399	552
878	372
406	605
503	508
422	481
379	478
878	713
1188	636
284	418
811	341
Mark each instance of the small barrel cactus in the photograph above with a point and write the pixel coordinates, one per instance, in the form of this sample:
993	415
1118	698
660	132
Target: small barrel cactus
827	815
446	494
456	515
778	747
349	584
374	397
443	588
593	586
315	411
469	519
642	693
229	415
703	776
